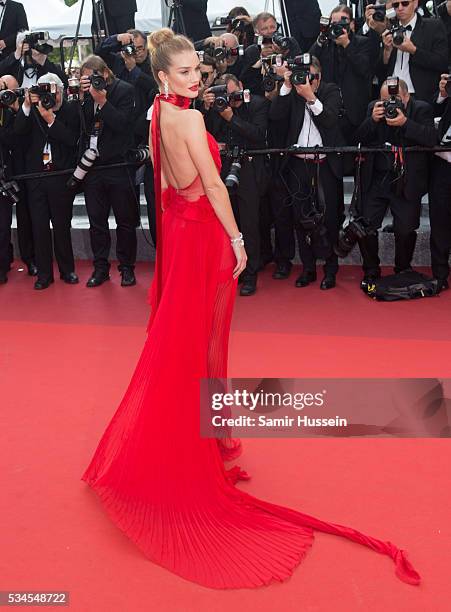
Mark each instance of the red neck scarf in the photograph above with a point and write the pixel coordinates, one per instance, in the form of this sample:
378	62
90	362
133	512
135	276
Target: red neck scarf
184	103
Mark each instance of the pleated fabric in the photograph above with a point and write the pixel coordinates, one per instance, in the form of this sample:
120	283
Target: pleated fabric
162	484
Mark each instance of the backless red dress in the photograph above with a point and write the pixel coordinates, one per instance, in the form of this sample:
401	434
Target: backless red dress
162	484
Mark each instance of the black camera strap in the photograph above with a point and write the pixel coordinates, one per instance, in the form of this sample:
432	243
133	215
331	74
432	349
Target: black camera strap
354	209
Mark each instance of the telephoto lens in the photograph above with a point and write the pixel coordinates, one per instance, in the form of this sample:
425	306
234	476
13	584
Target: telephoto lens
85	164
97	81
232	180
139	156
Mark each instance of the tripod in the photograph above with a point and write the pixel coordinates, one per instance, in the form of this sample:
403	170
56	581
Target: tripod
176	16
98	11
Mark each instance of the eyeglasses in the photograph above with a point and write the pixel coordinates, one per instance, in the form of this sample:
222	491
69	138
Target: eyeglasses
141	48
404	3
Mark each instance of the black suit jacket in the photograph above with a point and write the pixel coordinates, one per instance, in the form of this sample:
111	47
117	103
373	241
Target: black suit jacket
117	114
14	21
292	108
443	110
304	16
428	62
10	65
418	130
195	18
116	8
62	136
350	69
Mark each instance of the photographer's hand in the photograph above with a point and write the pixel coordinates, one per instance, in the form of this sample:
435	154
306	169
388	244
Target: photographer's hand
125	39
47	115
407	46
129	61
343	40
286	80
378	112
2	45
99	97
398	121
377	26
208	99
27	103
227	114
305	91
20	51
442	85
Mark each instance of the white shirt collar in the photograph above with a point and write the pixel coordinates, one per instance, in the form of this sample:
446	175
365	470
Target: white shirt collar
413	21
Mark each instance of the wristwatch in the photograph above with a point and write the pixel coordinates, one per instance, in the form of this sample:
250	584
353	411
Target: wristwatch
311	102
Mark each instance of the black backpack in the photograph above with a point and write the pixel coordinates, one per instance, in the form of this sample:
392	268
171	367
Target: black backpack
407	285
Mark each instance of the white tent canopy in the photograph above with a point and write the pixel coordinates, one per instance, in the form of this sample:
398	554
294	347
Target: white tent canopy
58	19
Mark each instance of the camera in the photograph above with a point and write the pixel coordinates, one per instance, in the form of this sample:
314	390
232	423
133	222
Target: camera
9	96
222	53
270	78
300	69
139	155
223	98
73	91
280	41
336	29
350	234
8	189
222	21
397	31
38	41
232	180
84	165
97	81
129	49
46	93
260	40
381	12
324	23
391	106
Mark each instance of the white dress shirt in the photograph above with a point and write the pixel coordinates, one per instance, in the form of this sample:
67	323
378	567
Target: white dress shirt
309	135
402	68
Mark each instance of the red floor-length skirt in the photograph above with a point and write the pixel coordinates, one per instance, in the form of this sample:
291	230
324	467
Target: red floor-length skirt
160	482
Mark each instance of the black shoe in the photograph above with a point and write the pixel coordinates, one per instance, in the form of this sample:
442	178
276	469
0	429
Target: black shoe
3	278
282	271
97	279
70	279
443	284
43	284
328	282
307	277
128	277
249	286
32	269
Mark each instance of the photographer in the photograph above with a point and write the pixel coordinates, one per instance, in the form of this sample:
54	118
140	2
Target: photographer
226	53
13	151
52	127
30	61
241	26
13	20
346	60
242	125
394	179
440	188
311	110
108	115
416	51
268	42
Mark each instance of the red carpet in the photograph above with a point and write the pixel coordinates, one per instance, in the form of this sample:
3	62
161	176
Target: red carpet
66	356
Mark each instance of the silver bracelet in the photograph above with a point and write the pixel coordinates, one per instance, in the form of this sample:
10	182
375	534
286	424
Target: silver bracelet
238	240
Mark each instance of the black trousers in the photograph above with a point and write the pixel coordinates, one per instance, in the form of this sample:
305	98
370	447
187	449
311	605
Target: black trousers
118	24
6	216
106	190
246	206
299	179
51	201
406	219
440	216
149	192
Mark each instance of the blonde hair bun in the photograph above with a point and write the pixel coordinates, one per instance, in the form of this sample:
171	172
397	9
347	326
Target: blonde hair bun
159	37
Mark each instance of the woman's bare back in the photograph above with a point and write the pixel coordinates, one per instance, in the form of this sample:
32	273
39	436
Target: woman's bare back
177	167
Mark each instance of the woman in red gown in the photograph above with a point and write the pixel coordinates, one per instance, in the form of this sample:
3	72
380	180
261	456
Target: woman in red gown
162	484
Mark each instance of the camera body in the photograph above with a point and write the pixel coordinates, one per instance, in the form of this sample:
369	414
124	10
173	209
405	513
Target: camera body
220	54
397	31
97	81
280	41
232	180
381	12
36	39
300	68
261	40
129	49
46	93
355	230
223	98
336	29
270	78
391	106
9	96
